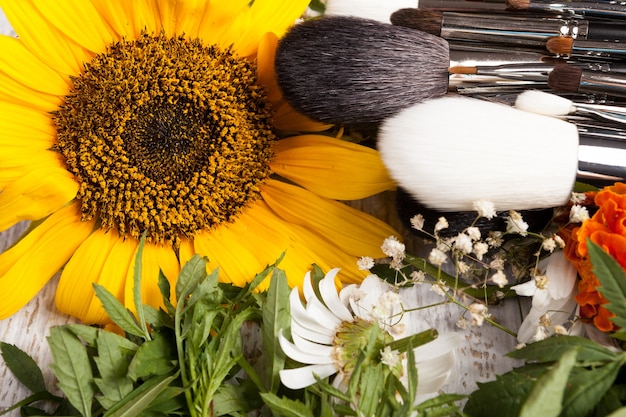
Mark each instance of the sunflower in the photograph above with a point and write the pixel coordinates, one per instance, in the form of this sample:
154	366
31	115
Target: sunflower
162	117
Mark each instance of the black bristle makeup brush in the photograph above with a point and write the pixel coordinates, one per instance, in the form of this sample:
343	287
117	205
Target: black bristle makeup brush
450	151
573	79
353	71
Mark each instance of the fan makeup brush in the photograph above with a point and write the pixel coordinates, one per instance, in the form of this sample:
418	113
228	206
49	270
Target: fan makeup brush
450	151
542	102
516	29
573	79
348	70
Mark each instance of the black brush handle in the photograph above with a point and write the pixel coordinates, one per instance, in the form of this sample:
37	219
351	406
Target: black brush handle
607	31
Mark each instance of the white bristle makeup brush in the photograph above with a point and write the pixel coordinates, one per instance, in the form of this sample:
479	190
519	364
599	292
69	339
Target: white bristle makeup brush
549	104
368	9
348	70
450	151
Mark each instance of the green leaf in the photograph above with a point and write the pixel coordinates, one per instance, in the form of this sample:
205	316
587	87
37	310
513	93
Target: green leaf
285	406
137	288
586	388
117	312
553	348
88	334
546	396
415	340
190	276
154	357
23	367
72	368
240	398
504	396
142	397
112	365
612	280
276	316
39	396
618	413
164	288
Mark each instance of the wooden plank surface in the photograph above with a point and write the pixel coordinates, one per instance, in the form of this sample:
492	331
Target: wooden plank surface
479	353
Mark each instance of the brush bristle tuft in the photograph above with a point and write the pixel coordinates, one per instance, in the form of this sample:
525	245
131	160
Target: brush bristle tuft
565	78
518	4
561	45
450	151
540	102
352	71
426	20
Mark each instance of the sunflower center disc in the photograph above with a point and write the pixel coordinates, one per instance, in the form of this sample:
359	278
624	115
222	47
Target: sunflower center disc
165	135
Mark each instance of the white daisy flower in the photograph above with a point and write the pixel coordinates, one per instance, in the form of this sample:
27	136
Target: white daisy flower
328	333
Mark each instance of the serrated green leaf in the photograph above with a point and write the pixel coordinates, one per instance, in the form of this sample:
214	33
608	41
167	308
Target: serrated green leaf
72	368
154	357
241	398
112	366
39	396
117	312
553	348
165	290
137	289
142	397
88	334
612	280
546	396
157	318
587	387
191	274
286	407
23	367
276	316
504	396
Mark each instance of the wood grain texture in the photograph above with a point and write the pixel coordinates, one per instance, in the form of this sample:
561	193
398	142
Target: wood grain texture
480	353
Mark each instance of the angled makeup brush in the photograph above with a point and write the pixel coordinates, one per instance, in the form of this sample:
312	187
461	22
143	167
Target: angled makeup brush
450	151
572	79
515	29
348	70
548	104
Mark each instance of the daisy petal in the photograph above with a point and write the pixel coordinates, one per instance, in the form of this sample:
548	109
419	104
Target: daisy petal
310	347
298	378
328	290
27	266
36	195
300	315
321	314
316	337
298	355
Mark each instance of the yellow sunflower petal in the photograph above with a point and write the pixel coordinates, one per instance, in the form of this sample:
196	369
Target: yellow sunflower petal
220	21
332	168
43	39
18	164
354	231
75	293
181	16
94	34
19	64
285	117
36	195
14	92
27	266
268	16
225	249
156	257
25	127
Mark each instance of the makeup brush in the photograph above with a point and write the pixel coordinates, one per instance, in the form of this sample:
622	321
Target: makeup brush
541	102
566	45
572	79
606	9
450	151
348	70
524	29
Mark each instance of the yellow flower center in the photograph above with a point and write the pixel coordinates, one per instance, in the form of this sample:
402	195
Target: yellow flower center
353	339
165	135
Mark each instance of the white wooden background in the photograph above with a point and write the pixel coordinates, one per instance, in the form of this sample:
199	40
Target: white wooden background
480	354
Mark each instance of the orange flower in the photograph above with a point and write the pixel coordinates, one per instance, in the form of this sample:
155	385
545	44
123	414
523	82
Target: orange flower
607	228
